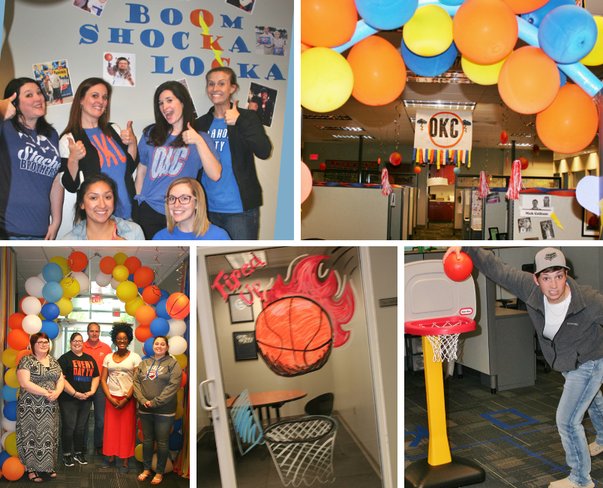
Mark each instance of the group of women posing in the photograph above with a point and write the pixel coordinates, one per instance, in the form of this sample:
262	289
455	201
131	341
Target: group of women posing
51	389
184	179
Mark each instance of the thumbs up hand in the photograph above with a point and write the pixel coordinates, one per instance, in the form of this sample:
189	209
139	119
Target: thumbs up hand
190	135
127	135
232	114
7	108
77	150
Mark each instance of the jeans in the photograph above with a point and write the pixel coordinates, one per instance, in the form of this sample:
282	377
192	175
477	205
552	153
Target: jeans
150	220
581	392
240	226
74	418
155	428
98	399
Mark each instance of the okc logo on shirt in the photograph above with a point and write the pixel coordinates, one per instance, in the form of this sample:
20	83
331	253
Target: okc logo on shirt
168	161
108	151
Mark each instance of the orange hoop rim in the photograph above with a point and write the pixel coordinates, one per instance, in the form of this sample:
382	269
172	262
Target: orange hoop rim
457	324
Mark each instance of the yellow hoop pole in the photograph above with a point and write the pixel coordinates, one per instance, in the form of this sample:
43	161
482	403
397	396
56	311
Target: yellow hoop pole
439	449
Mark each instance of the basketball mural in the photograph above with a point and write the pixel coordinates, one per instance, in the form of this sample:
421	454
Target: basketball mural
302	318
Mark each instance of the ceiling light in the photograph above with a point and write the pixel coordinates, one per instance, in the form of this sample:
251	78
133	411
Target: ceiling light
237	260
440	104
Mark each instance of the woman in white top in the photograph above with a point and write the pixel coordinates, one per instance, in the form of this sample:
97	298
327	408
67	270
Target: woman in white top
117	379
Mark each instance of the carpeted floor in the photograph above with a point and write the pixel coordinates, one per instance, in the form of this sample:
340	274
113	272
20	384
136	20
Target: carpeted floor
510	434
436	231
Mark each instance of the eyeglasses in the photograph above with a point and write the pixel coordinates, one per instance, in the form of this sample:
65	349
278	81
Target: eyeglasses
183	199
77	341
43	342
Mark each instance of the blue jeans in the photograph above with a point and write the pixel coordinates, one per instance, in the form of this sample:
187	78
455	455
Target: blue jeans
581	392
155	428
240	226
74	420
98	399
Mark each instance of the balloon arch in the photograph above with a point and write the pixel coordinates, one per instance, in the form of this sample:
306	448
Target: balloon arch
49	297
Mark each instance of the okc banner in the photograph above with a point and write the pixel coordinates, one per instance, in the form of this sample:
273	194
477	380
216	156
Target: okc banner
443	137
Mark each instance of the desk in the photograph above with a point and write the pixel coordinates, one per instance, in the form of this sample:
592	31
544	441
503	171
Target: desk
275	399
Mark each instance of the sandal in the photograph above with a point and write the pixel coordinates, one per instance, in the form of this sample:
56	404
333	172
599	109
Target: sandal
158	478
52	474
34	477
144	475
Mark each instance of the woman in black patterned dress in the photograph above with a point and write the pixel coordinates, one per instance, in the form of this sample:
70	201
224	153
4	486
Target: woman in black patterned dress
37	429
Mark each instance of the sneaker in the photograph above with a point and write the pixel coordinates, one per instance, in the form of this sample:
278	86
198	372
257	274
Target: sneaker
567	483
80	458
595	448
68	460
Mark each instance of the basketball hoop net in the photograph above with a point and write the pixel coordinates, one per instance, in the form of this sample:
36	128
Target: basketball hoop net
443	334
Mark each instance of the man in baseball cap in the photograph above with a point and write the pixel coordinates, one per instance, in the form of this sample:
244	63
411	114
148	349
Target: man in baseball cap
567	319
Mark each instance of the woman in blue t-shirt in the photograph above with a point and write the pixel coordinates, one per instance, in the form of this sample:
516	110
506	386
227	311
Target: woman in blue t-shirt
186	214
90	144
31	195
170	149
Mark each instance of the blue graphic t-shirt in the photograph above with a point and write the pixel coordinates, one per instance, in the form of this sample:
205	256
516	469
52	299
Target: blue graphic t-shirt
164	165
223	195
29	163
214	233
113	163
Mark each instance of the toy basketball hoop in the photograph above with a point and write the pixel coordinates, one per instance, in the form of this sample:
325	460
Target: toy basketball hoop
439	310
442	333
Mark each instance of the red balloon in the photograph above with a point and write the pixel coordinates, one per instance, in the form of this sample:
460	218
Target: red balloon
132	263
524	162
142	333
144	276
18	339
322	166
183	380
458	268
15	320
77	261
395	158
504	137
417	169
107	264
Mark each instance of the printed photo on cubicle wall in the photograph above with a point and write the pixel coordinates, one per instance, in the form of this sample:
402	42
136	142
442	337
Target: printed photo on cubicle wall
289	342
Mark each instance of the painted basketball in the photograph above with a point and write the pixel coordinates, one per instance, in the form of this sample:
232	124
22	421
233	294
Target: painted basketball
151	294
294	336
177	305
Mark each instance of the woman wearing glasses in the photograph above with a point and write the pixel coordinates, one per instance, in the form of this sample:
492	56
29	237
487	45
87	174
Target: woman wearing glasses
186	214
81	382
170	149
37	427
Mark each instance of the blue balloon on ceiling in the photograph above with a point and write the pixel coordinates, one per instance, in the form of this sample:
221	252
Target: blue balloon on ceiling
535	17
386	14
429	65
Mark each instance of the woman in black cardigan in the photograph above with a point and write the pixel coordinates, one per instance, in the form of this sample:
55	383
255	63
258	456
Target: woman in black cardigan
90	144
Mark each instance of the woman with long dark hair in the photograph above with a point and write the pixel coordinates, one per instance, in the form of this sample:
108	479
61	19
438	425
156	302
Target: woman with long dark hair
31	195
170	149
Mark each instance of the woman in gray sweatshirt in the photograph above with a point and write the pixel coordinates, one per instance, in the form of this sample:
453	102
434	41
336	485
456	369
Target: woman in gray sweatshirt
156	383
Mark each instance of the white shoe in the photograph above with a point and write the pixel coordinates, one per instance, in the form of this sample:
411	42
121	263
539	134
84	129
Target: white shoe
595	449
566	483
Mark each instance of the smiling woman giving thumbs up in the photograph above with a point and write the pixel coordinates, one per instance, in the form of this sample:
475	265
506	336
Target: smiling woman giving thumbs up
234	200
90	144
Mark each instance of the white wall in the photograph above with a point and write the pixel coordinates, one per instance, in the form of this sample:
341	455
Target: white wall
37	32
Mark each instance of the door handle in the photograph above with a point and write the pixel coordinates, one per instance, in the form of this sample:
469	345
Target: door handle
205	395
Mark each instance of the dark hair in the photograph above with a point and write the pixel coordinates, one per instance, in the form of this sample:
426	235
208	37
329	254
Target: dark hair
34	338
74	125
74	335
552	269
223	69
121	58
92	323
159	132
14	86
79	212
166	341
121	327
